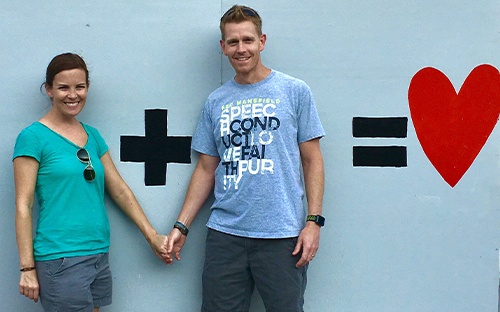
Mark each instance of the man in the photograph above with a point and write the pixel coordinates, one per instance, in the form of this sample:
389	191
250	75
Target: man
254	133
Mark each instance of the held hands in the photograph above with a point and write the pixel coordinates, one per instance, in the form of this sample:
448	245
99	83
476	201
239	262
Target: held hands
159	246
308	242
163	246
28	286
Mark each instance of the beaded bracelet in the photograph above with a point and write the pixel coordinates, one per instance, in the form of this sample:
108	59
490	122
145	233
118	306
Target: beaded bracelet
27	269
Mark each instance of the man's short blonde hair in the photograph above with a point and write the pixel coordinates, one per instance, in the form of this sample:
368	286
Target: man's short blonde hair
240	13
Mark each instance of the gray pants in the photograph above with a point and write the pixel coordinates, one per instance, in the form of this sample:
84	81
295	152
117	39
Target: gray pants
235	265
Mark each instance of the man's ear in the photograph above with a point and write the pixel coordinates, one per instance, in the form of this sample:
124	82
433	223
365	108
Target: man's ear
263	39
223	46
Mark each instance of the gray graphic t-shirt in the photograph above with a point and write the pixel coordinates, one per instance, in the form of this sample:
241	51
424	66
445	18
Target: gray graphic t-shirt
256	130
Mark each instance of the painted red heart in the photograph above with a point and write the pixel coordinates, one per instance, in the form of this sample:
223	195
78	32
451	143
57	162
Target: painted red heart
453	128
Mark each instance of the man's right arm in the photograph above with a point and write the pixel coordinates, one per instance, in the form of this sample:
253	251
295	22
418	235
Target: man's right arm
201	184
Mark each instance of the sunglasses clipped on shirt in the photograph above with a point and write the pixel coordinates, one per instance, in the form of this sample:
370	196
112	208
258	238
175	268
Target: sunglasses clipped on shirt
84	157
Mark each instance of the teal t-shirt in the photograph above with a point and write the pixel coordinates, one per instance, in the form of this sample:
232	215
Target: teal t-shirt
72	217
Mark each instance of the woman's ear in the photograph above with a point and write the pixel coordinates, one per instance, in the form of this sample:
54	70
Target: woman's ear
48	90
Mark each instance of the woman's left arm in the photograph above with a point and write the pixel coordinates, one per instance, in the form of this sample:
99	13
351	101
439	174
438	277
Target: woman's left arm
123	196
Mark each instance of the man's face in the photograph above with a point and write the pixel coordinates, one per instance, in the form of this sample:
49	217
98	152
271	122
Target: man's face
242	45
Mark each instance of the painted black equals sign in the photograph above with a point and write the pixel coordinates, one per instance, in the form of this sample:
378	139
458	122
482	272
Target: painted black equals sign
379	127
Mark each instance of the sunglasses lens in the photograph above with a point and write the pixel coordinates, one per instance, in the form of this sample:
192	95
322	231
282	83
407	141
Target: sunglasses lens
89	173
83	155
249	12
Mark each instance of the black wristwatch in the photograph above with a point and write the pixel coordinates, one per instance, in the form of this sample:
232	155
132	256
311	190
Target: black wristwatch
318	219
181	227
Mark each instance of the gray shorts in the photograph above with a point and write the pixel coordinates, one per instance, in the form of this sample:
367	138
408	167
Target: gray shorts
75	283
235	265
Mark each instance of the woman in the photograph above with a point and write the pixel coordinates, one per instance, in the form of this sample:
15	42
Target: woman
67	165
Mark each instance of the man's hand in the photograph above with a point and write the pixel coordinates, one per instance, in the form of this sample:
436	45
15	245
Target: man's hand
175	243
308	242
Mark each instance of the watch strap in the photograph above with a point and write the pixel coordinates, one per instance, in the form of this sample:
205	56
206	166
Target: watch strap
182	228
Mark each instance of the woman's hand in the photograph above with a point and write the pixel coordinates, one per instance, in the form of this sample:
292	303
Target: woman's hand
159	246
28	286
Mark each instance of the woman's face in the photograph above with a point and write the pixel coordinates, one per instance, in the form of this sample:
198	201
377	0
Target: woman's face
68	92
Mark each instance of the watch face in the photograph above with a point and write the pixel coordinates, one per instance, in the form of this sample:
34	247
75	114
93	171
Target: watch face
318	219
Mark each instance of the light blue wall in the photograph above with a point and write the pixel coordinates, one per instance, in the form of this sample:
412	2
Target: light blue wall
395	240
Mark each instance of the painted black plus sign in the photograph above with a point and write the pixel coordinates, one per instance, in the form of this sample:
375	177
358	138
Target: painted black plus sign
155	149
